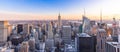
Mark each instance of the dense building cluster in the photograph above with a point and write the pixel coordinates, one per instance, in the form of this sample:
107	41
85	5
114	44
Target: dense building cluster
59	36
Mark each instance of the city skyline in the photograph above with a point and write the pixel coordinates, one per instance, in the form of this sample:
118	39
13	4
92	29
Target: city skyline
49	9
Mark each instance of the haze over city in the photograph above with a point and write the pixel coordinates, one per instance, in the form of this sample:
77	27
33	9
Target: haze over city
49	9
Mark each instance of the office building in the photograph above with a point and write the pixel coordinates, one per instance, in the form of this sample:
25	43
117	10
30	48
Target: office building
42	47
59	22
66	34
16	39
85	43
57	39
31	43
112	47
26	28
9	29
101	40
19	28
86	26
49	43
24	47
50	33
3	31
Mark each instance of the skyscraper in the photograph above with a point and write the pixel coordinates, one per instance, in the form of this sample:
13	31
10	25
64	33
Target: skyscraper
66	34
86	25
101	40
59	22
50	33
112	47
24	47
26	28
19	28
85	43
3	31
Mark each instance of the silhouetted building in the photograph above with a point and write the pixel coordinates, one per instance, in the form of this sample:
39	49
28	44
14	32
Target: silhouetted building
19	28
85	43
16	39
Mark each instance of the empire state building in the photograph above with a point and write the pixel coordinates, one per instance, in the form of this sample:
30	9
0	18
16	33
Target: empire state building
59	21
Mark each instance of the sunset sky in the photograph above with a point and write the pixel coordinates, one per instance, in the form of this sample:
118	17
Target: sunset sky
49	9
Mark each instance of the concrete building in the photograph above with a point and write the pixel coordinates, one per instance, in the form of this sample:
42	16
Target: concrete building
101	40
66	34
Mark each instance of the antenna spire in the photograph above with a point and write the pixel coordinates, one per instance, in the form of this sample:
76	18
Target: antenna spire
84	12
101	15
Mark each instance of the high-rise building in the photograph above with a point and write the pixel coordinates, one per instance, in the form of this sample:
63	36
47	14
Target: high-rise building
59	22
50	33
49	43
24	47
3	31
19	28
112	47
86	27
66	34
85	43
115	27
101	40
26	28
9	29
57	39
42	47
32	44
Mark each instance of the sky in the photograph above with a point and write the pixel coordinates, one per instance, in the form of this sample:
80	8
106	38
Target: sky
49	9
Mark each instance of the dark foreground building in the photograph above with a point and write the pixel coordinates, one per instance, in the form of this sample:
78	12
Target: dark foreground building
86	43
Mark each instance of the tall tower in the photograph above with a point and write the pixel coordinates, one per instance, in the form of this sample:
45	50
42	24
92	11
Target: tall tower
101	40
66	34
3	31
59	21
50	33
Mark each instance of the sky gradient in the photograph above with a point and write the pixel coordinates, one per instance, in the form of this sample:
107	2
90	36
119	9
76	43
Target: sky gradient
49	9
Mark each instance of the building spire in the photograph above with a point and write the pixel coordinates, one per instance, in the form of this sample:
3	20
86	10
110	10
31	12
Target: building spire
59	13
101	15
84	12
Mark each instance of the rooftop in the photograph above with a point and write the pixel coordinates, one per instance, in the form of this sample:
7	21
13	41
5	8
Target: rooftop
84	35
